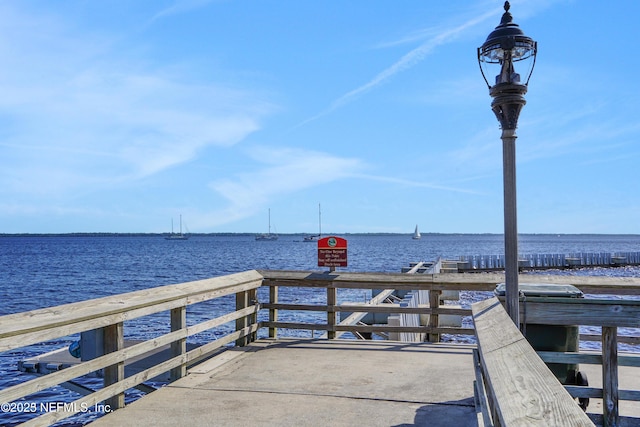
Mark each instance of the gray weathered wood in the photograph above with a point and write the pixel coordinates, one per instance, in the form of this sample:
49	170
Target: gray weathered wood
368	328
434	303
29	387
625	339
51	323
373	307
482	400
581	311
114	341
26	328
445	281
523	390
252	318
242	301
273	311
610	377
356	316
178	347
628	359
332	315
132	381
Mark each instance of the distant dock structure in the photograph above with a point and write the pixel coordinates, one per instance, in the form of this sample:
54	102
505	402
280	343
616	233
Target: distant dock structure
557	261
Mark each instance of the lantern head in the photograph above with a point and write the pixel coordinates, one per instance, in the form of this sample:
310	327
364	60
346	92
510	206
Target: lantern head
506	45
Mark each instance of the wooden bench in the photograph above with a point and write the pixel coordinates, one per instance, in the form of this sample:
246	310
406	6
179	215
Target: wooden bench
520	388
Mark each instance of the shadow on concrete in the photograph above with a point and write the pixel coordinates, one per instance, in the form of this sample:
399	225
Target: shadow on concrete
445	414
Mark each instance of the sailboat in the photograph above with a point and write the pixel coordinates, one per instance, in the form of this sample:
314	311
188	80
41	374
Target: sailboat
314	238
177	236
267	236
416	234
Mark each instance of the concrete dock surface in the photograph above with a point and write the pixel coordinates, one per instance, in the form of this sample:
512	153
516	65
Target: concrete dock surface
308	382
305	382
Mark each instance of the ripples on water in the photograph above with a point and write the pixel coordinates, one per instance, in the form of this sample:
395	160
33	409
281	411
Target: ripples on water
39	272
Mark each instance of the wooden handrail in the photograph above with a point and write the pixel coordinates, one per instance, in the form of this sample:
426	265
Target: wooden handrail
521	388
109	313
51	323
446	281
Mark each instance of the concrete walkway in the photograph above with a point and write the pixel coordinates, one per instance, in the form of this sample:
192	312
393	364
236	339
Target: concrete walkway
316	383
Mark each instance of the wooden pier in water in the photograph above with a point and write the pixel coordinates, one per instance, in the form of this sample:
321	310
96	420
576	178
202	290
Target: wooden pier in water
472	263
256	376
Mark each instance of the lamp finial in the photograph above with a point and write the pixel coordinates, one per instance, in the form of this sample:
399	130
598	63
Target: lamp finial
506	16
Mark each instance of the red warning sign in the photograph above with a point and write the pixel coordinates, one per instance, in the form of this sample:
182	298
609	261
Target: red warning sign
332	252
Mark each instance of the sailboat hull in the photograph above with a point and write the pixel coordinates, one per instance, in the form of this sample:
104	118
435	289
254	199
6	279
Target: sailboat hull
267	236
416	234
313	238
177	236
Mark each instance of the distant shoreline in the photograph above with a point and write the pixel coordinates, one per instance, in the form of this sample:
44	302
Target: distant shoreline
243	234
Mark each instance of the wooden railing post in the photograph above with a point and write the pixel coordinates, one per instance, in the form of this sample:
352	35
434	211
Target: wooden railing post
273	312
114	341
242	301
179	347
332	300
610	376
434	322
252	296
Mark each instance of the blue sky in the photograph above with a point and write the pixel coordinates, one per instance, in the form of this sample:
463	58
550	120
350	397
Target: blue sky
117	116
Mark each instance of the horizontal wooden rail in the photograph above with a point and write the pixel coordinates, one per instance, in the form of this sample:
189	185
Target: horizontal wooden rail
55	378
138	378
589	358
398	281
603	285
51	323
385	308
580	311
367	328
626	339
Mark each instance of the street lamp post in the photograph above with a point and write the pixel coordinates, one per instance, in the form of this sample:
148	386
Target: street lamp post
504	46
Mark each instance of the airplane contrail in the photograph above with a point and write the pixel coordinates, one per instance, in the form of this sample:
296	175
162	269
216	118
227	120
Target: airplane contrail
407	61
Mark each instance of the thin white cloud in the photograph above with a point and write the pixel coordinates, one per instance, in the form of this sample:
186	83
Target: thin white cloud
100	117
180	6
286	171
407	61
418	184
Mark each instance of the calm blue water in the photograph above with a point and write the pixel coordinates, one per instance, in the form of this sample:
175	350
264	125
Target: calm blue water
38	272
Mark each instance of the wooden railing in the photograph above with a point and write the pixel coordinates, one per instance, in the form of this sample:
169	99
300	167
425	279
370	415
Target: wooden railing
435	283
417	298
109	314
607	314
332	281
515	387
